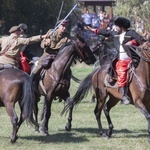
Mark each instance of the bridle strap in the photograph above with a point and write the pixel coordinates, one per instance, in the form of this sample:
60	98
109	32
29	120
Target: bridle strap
140	55
139	81
78	50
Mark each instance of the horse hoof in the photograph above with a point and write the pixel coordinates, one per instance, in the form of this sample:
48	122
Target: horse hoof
68	128
45	133
101	133
36	131
105	136
14	140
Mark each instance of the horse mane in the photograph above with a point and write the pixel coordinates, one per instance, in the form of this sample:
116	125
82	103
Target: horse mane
63	46
106	52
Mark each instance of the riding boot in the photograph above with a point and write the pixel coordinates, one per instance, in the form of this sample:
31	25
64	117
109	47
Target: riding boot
36	70
125	98
32	76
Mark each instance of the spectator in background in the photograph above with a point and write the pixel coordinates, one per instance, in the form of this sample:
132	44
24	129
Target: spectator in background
111	24
105	16
95	24
87	18
95	21
101	16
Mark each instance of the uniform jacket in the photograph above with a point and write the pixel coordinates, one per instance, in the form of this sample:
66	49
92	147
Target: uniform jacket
130	35
57	40
11	56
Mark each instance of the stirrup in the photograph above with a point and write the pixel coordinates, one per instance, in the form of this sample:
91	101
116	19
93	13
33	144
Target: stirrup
110	80
125	100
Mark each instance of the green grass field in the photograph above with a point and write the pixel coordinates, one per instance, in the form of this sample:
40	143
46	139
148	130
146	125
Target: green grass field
130	127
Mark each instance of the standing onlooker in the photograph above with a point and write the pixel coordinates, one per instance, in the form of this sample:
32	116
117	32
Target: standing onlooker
87	18
101	16
95	21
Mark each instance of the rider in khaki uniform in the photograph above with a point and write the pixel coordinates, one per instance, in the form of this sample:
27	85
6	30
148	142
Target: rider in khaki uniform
52	44
11	46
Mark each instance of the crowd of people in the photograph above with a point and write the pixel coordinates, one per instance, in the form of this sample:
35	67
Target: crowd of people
95	20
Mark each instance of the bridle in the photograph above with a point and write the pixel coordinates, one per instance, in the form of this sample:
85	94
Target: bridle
146	59
79	51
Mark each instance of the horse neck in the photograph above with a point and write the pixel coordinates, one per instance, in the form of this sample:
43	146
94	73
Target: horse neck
104	56
63	60
143	71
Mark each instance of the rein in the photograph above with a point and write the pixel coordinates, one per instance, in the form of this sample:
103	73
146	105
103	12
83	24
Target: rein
139	81
146	59
140	55
78	50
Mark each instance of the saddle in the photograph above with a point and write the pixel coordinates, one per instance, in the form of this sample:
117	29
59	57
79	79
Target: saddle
47	61
46	64
111	77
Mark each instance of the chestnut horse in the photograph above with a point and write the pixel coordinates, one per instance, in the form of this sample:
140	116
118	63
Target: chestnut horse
139	89
56	81
16	87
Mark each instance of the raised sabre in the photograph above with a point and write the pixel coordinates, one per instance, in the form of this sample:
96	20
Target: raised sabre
59	12
63	19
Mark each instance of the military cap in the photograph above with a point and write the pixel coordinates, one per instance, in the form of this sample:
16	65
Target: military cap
65	22
123	22
13	29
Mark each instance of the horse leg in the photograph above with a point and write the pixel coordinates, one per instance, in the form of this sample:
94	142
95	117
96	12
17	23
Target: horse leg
93	98
46	114
97	113
14	119
68	125
37	99
144	111
111	103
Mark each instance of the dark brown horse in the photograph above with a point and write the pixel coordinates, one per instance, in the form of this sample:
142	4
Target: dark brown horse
56	81
16	87
139	90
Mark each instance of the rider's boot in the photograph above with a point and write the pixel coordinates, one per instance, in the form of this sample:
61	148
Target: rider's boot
36	70
32	76
125	99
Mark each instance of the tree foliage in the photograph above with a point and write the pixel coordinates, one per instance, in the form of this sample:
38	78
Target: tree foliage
42	14
37	14
133	9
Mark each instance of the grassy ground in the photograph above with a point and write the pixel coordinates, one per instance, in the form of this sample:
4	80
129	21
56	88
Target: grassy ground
130	127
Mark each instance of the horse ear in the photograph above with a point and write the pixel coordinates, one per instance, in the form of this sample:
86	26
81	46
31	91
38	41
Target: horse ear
80	38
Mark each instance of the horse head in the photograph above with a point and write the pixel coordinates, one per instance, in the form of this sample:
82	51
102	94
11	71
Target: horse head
76	30
104	50
83	51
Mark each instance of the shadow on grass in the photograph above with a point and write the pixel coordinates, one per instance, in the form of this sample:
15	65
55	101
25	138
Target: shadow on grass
122	132
73	136
83	136
60	137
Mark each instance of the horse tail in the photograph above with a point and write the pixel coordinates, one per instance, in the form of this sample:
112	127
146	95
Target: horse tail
28	100
82	91
84	88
